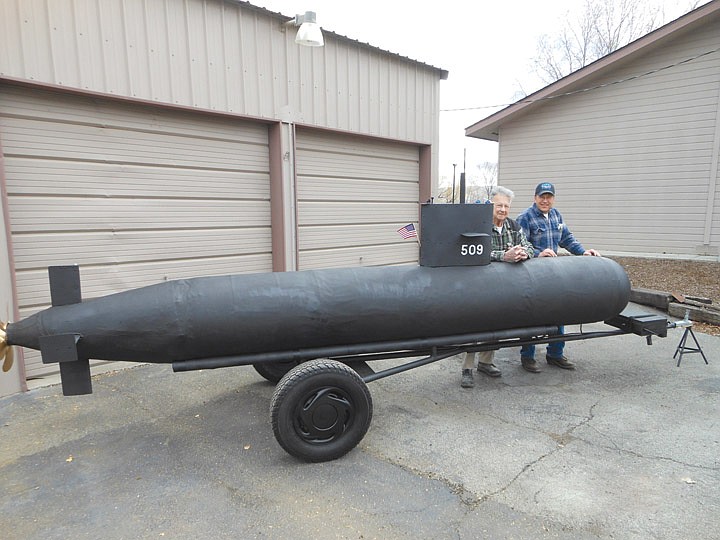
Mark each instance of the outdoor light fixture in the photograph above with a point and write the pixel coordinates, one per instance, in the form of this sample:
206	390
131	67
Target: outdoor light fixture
309	33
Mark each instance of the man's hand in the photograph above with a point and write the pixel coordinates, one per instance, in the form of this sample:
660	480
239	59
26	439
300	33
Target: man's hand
548	253
592	253
515	254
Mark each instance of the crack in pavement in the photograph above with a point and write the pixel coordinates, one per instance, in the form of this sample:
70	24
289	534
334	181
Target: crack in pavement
466	496
472	500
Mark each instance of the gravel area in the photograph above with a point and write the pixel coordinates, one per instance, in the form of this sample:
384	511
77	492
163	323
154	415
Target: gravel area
697	278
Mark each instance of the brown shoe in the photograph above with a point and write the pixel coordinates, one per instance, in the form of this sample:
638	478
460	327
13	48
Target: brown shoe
529	364
490	370
561	362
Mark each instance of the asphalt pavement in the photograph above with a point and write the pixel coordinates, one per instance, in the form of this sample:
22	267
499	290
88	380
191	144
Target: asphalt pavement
626	446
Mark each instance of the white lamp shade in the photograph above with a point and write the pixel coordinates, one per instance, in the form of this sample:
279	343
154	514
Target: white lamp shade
310	35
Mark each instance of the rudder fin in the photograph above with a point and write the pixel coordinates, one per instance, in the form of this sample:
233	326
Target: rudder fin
62	348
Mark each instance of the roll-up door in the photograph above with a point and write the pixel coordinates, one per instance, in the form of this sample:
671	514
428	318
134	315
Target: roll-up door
354	193
134	194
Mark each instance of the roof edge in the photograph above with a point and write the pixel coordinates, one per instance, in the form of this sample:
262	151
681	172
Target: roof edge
285	18
482	129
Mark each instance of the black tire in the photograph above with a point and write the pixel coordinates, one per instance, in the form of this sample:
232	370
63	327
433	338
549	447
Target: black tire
320	410
274	371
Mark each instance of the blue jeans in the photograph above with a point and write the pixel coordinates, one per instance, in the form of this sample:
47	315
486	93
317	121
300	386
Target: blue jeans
554	350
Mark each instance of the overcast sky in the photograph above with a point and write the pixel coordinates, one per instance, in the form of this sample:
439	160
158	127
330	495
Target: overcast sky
486	46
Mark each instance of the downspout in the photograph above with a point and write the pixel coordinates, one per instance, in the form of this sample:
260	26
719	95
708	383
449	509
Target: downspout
712	181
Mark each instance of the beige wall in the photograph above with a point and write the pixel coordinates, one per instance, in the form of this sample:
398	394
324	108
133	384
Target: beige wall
223	56
635	163
353	195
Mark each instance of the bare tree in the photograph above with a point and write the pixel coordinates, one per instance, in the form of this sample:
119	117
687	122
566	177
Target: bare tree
487	173
601	28
487	176
444	195
481	180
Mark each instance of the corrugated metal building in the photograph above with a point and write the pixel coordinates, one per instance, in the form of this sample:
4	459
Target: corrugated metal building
148	141
632	142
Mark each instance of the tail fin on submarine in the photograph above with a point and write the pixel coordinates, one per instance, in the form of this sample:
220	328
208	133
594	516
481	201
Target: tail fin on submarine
74	369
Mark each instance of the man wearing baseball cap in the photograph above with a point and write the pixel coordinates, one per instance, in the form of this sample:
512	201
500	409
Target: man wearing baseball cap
545	229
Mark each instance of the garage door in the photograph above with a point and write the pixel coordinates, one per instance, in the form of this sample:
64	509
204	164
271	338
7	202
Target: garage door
354	194
134	194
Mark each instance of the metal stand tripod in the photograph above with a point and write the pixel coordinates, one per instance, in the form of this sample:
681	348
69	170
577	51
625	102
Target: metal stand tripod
682	347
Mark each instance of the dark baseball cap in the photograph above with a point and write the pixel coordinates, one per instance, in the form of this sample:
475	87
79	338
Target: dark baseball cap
545	187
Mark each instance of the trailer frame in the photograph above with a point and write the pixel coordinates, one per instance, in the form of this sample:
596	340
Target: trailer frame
322	408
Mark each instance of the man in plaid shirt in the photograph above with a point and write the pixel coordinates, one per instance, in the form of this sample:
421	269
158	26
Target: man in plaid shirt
508	245
544	227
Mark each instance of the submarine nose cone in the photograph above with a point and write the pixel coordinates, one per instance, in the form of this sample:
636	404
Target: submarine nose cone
25	333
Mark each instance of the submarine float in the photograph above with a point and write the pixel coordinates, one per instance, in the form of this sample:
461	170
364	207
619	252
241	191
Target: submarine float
315	331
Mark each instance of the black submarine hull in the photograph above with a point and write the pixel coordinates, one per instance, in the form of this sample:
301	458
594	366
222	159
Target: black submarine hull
209	317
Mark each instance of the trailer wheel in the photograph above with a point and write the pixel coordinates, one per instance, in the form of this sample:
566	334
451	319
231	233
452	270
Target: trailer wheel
274	371
320	410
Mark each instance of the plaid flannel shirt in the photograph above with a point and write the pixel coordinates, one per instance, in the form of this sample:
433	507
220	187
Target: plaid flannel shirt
548	232
507	238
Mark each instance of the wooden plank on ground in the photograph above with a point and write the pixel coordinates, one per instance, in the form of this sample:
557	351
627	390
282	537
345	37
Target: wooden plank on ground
699	314
700	299
710	307
650	297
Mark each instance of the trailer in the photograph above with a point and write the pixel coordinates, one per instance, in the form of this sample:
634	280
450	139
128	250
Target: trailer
316	333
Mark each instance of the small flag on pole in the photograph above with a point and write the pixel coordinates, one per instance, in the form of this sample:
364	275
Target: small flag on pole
408	231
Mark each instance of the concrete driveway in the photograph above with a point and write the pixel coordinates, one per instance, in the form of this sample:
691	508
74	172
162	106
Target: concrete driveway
627	446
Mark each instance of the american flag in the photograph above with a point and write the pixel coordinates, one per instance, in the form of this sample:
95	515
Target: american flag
408	231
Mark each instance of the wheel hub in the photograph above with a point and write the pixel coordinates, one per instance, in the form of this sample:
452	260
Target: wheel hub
324	415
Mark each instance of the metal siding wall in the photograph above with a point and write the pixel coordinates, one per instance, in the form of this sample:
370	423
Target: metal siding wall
218	55
135	195
353	195
631	161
